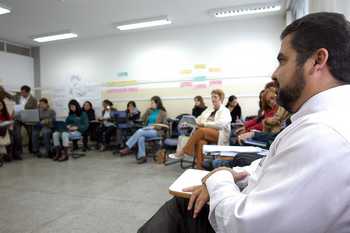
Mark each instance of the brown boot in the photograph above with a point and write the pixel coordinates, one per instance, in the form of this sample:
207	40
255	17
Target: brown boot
57	153
65	156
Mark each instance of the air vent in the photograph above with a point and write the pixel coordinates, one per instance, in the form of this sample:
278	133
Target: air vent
15	48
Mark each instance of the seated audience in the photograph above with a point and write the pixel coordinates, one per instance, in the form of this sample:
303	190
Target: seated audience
76	124
5	135
152	118
107	127
26	101
90	112
271	126
133	117
302	185
214	126
199	106
235	108
133	113
269	107
43	128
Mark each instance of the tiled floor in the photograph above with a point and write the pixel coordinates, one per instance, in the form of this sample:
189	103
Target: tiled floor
99	193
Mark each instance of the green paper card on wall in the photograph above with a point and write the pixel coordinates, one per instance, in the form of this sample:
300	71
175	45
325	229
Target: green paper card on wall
123	74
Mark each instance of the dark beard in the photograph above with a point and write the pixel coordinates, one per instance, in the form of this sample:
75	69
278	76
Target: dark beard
288	95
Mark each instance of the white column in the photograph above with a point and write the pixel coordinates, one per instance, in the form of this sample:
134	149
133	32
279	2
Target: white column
343	6
322	5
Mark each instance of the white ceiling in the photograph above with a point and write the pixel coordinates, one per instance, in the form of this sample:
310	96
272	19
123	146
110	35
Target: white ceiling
95	18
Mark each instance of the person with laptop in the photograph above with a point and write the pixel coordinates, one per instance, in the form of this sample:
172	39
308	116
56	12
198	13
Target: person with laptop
303	184
43	128
24	101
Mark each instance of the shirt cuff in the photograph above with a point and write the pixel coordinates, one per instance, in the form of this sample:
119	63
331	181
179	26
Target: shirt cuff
218	179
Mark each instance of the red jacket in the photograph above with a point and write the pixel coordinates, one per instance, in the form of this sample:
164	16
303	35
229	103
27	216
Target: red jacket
258	125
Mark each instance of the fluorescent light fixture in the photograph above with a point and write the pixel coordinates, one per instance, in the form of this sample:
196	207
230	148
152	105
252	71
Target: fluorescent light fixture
4	9
48	38
247	10
144	23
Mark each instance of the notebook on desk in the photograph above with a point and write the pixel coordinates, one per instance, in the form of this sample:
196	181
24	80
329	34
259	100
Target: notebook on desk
189	178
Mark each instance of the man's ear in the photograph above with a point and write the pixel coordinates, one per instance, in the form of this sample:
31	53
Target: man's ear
320	59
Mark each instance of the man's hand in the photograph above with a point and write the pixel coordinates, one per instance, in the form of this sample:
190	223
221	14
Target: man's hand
199	198
200	125
237	176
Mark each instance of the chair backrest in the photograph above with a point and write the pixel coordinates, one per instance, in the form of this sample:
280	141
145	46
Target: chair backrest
120	117
188	120
174	132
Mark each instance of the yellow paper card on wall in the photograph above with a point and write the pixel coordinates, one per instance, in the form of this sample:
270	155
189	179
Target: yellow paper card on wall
121	83
186	71
200	66
214	70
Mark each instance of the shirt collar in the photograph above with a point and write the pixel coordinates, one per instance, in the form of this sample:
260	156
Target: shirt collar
330	99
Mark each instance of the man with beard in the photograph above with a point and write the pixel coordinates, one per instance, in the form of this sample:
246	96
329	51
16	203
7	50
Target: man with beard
303	185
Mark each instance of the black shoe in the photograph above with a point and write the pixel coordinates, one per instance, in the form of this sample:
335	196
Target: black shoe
142	160
63	159
86	148
17	157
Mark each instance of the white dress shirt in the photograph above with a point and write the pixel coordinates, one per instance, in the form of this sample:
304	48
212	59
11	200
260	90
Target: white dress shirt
23	100
303	185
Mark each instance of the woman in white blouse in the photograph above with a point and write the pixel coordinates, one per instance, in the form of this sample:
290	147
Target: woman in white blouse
213	126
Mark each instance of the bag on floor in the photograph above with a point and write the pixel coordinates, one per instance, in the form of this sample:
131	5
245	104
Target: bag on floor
5	140
160	157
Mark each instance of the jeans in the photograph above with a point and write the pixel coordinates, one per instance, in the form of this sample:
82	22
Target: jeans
139	137
46	135
65	136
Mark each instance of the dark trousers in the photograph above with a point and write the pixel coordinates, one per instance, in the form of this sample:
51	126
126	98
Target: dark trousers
46	134
173	217
86	135
104	134
18	137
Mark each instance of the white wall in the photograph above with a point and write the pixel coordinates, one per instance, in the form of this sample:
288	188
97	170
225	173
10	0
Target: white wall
16	70
240	48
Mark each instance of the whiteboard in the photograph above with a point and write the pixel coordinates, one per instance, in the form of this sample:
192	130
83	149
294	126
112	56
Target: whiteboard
16	70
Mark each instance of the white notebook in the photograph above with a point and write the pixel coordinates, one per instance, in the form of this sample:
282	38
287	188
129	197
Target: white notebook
189	178
237	149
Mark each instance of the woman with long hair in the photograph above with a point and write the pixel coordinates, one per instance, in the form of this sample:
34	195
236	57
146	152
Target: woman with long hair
5	137
90	112
235	108
154	116
76	124
199	106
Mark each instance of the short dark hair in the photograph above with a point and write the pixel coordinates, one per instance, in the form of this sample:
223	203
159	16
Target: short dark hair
44	100
326	30
131	103
25	88
108	102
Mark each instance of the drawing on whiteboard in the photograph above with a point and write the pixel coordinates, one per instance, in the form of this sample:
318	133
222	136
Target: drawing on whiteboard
77	88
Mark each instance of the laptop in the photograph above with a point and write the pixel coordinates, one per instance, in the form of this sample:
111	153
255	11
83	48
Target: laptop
30	116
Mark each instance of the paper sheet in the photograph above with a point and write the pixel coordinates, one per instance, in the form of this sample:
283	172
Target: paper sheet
190	177
237	149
